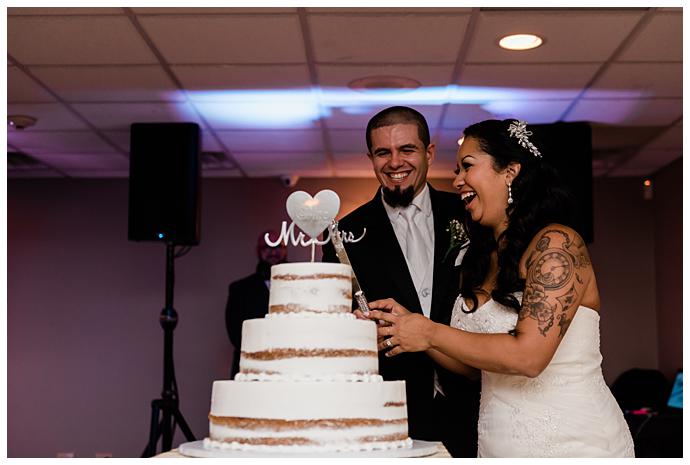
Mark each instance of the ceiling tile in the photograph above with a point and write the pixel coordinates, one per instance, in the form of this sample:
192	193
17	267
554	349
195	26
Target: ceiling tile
446	140
265	114
71	162
33	11
660	40
391	10
527	81
646	162
98	173
569	36
357	116
227	39
109	83
532	111
277	163
119	116
60	40
639	80
631	112
387	39
306	140
222	173
33	173
349	140
54	141
229	77
671	139
459	116
49	116
121	140
427	75
208	10
21	88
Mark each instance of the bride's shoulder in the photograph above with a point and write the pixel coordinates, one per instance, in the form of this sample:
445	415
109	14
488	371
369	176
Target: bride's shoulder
554	240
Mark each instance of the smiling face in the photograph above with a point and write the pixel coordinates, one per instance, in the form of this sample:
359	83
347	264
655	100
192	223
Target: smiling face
483	190
400	159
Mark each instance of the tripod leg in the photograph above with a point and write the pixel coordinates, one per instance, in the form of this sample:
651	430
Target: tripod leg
183	425
166	444
154	432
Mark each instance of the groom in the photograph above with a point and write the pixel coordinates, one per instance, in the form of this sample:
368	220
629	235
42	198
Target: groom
403	255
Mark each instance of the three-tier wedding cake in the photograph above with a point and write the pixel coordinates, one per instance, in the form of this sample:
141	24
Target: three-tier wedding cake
308	376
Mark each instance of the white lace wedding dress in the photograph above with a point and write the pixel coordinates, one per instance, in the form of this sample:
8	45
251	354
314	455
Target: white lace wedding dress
566	411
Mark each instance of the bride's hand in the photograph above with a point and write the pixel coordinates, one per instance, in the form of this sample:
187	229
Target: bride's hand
404	331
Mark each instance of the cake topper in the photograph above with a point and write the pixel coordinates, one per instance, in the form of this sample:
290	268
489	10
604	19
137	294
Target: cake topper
312	215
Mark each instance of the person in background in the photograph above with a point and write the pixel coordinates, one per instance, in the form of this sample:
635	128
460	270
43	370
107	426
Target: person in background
248	297
408	252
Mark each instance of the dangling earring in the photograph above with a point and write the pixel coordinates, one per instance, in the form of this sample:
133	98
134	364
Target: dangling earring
510	195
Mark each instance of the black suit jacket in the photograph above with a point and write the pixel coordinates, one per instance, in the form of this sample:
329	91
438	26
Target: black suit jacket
247	299
382	271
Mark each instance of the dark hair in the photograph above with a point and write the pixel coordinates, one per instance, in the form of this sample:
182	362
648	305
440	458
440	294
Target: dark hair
539	198
399	115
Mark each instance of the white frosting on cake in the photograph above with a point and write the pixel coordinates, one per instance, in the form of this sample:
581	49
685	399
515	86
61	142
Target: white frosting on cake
316	348
310	288
311	415
339	446
308	378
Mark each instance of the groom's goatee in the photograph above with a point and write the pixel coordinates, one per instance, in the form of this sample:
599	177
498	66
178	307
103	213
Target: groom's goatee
398	197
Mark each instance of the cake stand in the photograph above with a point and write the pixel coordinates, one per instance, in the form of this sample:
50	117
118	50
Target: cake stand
418	449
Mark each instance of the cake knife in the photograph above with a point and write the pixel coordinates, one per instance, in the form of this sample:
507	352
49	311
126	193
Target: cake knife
337	242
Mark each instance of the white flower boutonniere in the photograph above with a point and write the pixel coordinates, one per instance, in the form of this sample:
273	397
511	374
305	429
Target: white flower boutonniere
458	237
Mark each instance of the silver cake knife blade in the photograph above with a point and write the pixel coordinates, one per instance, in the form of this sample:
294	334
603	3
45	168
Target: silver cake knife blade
337	242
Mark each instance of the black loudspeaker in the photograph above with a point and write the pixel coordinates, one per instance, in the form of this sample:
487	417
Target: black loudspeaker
164	183
568	147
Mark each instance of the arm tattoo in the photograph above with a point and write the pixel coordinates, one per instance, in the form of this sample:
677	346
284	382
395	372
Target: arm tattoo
553	273
535	306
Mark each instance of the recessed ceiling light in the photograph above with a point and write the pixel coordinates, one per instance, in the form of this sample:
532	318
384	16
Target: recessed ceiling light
520	42
384	83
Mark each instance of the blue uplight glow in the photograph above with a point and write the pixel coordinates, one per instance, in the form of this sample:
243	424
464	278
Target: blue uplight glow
301	108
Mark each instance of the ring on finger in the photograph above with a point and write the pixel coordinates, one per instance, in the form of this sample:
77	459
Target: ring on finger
389	343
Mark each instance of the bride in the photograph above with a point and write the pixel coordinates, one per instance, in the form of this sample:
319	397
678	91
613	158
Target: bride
528	312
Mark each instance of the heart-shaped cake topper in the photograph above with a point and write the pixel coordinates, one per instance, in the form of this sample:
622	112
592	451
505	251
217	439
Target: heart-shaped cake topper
313	214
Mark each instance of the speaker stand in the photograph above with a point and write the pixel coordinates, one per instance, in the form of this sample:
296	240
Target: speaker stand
166	409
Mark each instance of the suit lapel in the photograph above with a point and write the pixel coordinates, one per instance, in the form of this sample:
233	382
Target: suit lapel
442	270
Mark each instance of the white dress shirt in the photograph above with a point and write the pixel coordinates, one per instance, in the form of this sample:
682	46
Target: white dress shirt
421	265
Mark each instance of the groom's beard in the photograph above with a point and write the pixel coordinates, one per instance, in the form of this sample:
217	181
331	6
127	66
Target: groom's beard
398	197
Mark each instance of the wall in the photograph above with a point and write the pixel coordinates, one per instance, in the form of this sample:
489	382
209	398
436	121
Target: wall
84	343
623	259
668	243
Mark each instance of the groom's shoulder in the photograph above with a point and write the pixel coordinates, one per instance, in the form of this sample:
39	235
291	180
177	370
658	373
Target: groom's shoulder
361	214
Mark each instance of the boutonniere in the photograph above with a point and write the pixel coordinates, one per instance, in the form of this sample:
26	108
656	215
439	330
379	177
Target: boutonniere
458	237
